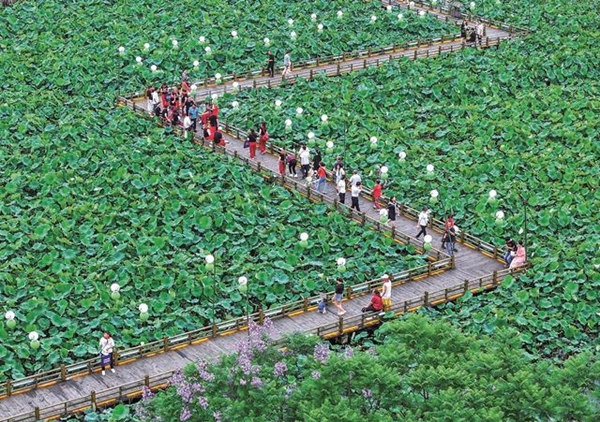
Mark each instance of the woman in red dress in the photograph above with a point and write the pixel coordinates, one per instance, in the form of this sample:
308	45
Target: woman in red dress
252	143
263	137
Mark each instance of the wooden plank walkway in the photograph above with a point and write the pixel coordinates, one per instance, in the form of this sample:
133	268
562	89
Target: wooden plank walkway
470	263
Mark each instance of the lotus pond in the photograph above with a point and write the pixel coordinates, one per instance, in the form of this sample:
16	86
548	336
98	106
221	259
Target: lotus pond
521	120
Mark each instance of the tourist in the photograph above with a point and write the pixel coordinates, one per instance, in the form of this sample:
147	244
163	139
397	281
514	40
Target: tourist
423	221
281	163
252	143
322	178
271	64
341	188
187	124
184	81
511	249
322	305
377	194
480	30
287	65
338	163
263	137
518	257
149	104
155	103
386	295
339	172
107	346
304	155
355	193
463	29
448	224
355	178
376	304
317	159
450	240
218	138
339	294
292	162
391	208
193	112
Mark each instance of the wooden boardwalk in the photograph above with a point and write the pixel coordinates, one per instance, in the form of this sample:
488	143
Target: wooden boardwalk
470	264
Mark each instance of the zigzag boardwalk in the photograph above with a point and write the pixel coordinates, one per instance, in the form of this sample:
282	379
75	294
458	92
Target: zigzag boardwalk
475	269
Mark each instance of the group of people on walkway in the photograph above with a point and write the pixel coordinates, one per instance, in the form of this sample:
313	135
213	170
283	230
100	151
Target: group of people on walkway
381	300
515	254
472	34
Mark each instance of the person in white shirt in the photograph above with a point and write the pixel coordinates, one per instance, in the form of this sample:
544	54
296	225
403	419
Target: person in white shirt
187	124
341	188
107	346
287	65
386	292
339	172
480	29
423	221
355	178
304	154
355	195
155	103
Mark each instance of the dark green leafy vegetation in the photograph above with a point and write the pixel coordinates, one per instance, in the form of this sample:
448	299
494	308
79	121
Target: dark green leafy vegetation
420	370
522	120
91	195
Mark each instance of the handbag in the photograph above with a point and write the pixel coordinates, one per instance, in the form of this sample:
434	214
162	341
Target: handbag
246	143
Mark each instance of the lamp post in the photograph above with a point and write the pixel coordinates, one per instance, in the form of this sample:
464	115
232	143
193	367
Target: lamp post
243	288
210	266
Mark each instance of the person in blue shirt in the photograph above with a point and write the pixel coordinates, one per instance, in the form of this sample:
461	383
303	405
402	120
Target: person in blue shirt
193	112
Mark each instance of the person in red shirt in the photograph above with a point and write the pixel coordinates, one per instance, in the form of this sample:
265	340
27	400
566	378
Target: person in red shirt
449	224
263	137
377	194
252	143
322	178
281	162
376	304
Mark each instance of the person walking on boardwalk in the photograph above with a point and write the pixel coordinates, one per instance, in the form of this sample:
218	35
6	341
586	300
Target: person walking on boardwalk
480	29
355	193
448	224
386	292
107	346
322	178
463	29
185	79
391	208
263	137
355	178
304	155
270	63
291	163
339	294
450	240
376	304
377	194
341	188
194	116
287	65
281	163
339	172
423	221
317	158
252	143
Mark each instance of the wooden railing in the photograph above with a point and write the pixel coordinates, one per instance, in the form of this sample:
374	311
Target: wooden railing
345	324
404	210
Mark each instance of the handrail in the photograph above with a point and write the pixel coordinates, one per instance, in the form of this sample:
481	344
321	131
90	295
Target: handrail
345	324
404	210
439	261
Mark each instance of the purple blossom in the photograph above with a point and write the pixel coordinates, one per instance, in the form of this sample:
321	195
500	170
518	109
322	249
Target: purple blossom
372	351
280	369
185	414
202	366
203	402
316	375
178	378
242	381
147	394
349	352
217	416
256	382
321	352
367	394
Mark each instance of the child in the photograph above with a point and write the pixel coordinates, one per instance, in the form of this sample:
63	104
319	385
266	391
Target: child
377	194
281	163
322	306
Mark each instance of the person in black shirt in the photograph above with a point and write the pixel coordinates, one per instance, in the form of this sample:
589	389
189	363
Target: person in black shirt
339	294
212	120
317	159
218	138
271	64
391	207
463	29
